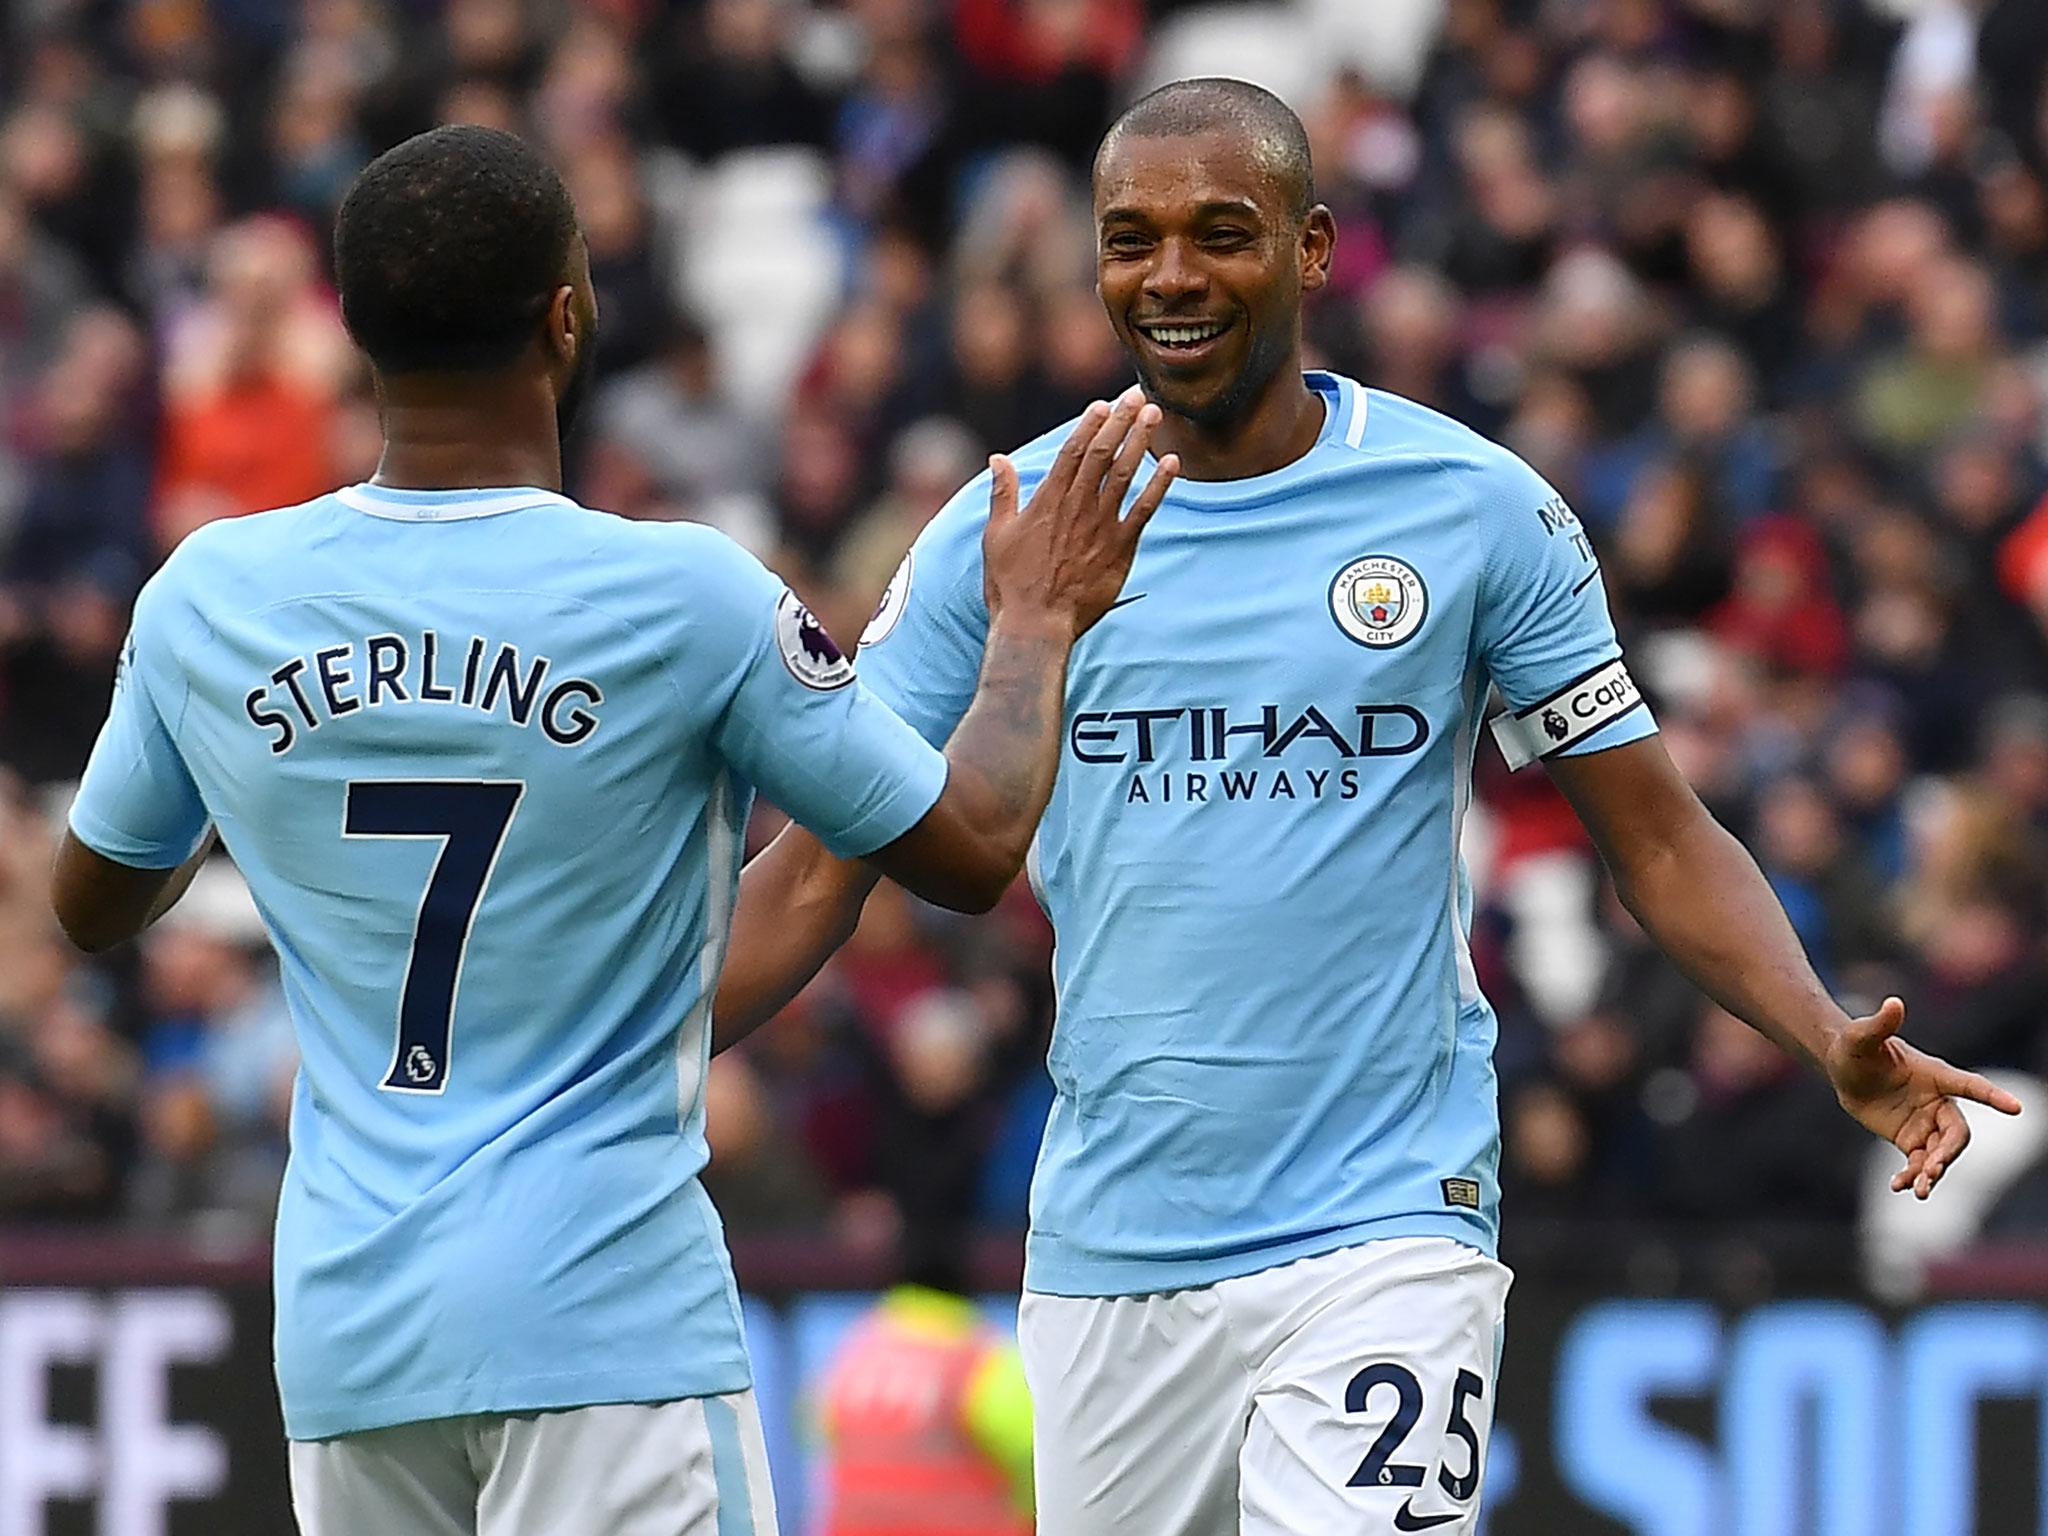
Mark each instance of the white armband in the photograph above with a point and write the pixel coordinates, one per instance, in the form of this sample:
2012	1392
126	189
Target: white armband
1567	717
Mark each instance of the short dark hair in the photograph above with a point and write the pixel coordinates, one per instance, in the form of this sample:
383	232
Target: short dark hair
448	247
1187	108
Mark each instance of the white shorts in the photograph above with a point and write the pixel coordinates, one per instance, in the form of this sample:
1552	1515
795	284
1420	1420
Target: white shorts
1347	1393
697	1466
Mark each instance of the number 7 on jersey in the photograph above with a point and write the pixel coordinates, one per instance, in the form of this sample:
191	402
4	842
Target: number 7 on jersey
470	817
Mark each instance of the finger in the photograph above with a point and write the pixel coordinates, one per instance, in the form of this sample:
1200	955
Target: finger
1154	493
1958	1084
1951	1136
1109	437
1136	445
1945	1142
1878	1027
1002	490
1903	1179
1068	462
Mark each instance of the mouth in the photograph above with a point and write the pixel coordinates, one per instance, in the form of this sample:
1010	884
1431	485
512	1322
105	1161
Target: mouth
1182	341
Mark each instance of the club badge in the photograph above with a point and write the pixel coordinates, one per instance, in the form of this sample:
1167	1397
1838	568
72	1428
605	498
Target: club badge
1379	601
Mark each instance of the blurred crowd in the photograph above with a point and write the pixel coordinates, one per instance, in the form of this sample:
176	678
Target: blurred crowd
1761	285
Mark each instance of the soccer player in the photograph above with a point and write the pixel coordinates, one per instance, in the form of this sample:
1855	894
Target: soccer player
484	757
1261	1291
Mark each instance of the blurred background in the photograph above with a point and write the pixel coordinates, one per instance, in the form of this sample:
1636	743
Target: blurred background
1761	285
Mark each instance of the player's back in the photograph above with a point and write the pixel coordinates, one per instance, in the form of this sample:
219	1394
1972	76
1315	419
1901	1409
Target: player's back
462	745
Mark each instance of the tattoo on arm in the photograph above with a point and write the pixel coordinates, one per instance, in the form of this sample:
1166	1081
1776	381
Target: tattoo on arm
1010	737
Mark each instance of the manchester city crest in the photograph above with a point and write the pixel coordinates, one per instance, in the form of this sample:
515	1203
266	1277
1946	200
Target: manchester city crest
1379	601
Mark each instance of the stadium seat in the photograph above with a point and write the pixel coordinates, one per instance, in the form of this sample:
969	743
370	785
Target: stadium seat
1259	43
1901	1236
760	266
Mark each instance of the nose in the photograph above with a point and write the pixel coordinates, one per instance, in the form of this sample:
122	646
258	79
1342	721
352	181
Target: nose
1175	274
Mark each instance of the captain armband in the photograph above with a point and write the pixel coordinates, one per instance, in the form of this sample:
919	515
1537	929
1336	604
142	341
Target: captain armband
1567	717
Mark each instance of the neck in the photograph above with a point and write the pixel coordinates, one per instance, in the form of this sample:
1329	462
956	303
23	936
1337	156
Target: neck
1281	426
468	431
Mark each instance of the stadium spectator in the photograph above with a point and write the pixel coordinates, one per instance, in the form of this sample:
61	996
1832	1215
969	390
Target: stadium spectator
1743	1131
928	462
925	1411
729	81
79	551
668	424
218	1057
250	382
67	1083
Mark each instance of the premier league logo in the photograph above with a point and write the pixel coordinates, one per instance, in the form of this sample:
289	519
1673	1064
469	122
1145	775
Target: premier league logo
1379	601
810	653
820	647
895	597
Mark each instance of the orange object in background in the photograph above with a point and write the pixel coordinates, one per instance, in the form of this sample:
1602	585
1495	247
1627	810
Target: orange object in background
260	440
928	1424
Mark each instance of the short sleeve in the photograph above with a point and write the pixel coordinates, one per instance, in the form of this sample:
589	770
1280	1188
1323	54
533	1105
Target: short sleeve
921	652
1543	631
801	728
137	804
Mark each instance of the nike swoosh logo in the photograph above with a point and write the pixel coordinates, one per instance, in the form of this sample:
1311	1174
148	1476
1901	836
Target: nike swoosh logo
1112	608
1405	1518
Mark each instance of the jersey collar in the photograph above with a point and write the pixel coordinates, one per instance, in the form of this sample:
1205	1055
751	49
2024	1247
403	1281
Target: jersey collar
1347	411
1343	422
413	506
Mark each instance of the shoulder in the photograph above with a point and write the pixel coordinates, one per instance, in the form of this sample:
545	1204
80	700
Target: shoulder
967	511
1035	457
228	563
683	567
1396	425
1489	479
697	546
695	601
954	533
236	542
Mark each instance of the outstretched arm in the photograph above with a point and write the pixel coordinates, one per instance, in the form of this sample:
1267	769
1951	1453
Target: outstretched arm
1050	570
1700	896
798	903
1000	764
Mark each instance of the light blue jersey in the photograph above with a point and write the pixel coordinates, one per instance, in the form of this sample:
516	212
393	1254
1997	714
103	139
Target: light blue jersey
1270	1040
485	759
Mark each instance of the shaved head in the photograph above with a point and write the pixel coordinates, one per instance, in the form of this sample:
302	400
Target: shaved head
1261	121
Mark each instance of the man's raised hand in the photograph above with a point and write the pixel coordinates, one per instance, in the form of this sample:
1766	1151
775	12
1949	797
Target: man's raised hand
1068	551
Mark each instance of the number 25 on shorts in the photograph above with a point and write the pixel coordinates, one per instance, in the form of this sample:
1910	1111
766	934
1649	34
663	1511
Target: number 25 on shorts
1380	1470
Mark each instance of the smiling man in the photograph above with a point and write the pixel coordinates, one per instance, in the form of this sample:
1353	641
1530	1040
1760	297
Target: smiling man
1261	1291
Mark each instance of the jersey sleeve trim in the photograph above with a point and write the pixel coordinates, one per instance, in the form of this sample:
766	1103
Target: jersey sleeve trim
1567	717
904	808
135	853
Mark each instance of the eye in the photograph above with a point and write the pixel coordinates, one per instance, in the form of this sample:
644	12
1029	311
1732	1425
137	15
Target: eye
1126	242
1227	237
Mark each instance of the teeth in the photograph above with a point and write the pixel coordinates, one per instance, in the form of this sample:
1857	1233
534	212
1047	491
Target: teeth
1182	335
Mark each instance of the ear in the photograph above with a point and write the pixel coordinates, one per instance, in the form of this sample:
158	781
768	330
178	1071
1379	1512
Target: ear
565	337
1318	244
